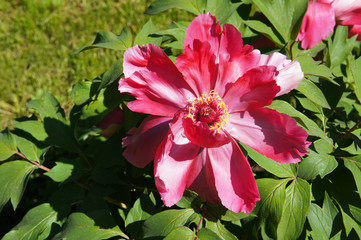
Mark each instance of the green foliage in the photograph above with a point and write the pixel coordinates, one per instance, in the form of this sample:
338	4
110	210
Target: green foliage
63	176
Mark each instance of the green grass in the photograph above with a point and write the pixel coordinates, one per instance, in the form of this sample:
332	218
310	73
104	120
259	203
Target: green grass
38	38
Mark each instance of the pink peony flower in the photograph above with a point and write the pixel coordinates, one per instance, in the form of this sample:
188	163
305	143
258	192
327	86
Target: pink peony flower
320	20
213	95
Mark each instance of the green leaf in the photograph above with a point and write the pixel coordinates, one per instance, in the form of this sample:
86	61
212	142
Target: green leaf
80	226
309	125
112	74
190	199
278	169
350	223
269	208
354	165
316	164
180	233
219	212
312	92
29	149
161	224
110	40
207	234
220	230
356	212
142	209
296	206
311	67
36	224
321	219
341	46
7	145
355	69
35	128
286	16
222	9
47	106
194	6
81	92
61	171
143	37
13	178
266	30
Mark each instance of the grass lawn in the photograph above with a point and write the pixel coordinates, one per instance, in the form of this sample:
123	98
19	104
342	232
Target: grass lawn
38	38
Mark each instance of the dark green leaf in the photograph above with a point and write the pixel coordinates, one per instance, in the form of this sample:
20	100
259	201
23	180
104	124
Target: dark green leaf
161	224
194	6
13	178
269	208
142	209
80	226
110	40
268	31
36	224
220	230
355	68
7	145
354	165
286	16
356	212
189	200
312	92
350	223
112	74
180	233
278	169
296	206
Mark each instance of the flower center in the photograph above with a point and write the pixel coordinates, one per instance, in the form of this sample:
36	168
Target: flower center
209	109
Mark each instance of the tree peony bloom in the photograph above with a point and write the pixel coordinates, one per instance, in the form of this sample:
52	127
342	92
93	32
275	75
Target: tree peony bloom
320	20
213	95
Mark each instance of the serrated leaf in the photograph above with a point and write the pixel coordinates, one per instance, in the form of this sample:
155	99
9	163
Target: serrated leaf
7	145
80	226
13	178
354	165
296	206
286	16
309	125
161	224
47	106
316	164
220	230
36	224
278	169
269	208
194	6
110	40
143	37
313	93
180	233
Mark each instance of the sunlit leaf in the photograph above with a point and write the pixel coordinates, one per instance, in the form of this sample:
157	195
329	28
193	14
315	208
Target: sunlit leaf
7	145
193	6
180	233
312	92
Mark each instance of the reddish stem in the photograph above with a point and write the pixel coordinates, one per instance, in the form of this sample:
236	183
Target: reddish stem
349	131
33	162
200	222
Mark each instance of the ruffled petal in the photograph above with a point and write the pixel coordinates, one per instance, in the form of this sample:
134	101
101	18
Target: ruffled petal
256	88
317	24
351	18
355	29
174	163
144	141
198	67
290	72
205	29
271	133
343	7
200	134
234	58
155	82
233	178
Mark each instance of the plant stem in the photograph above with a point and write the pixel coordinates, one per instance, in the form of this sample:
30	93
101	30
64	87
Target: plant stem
349	131
33	162
200	221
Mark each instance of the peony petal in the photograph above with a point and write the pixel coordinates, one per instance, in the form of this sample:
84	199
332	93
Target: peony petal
205	29
233	178
256	88
200	134
290	72
143	144
156	83
234	58
355	29
351	18
343	7
174	161
317	24
271	133
198	67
